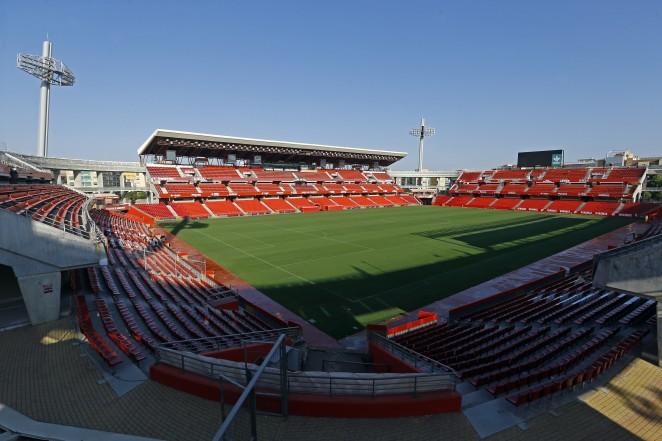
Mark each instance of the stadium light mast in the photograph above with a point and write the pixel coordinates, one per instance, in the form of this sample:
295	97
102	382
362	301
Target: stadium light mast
50	71
421	133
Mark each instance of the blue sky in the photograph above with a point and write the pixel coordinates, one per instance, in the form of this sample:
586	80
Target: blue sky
493	77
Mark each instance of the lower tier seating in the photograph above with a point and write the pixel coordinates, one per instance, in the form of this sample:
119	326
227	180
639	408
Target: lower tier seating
537	341
223	208
251	206
279	205
190	209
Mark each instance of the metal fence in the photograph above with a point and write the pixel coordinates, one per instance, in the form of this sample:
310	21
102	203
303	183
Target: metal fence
312	382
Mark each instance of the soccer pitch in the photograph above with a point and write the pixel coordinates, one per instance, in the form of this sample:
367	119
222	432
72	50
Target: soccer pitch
342	270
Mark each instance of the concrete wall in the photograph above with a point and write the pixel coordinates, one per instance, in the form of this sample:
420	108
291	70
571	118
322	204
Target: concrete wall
636	268
37	253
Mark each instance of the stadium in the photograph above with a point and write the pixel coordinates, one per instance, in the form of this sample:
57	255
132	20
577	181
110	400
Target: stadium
217	287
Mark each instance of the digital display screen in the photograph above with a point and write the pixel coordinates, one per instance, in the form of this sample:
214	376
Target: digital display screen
543	158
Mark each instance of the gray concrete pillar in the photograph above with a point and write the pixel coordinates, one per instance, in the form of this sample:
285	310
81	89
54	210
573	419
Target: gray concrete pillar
658	312
41	294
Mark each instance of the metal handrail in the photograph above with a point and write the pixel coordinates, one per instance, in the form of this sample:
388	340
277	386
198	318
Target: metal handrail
249	391
314	382
419	360
224	341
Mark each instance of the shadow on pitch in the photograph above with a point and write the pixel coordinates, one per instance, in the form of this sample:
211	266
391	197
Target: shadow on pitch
334	304
186	223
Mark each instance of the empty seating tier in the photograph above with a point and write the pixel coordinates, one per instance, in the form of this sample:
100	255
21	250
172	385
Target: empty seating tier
190	209
601	190
535	341
223	208
251	206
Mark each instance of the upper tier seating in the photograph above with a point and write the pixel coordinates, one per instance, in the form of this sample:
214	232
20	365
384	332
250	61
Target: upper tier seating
268	188
541	189
166	173
180	191
469	176
571	190
514	189
351	175
314	176
54	205
243	189
391	188
190	209
223	208
381	176
304	189
208	189
487	189
371	188
273	175
220	173
565	174
608	191
511	175
331	188
354	188
251	206
464	188
629	175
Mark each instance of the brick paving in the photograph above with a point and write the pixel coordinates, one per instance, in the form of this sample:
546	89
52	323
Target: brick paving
633	399
43	376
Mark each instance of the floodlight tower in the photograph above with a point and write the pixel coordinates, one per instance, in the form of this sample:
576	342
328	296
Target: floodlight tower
50	71
421	132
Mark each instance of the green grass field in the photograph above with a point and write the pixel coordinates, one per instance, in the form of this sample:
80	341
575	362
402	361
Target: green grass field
343	270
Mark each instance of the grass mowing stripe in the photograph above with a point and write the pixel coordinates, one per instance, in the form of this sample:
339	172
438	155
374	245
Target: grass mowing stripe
362	265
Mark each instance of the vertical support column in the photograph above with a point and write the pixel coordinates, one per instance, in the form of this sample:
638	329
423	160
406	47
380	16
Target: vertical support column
420	145
284	392
44	105
658	313
41	294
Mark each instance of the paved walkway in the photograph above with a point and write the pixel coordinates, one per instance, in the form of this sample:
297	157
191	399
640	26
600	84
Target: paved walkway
44	376
633	399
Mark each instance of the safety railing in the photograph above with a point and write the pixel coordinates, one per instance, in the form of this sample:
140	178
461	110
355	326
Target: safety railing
416	360
249	394
312	382
231	340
